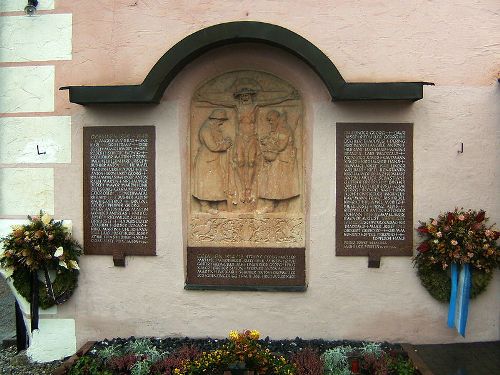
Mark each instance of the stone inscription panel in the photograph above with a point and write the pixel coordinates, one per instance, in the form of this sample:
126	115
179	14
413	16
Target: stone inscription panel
246	267
119	190
374	189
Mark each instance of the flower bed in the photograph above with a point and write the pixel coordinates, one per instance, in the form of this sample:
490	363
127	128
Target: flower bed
241	353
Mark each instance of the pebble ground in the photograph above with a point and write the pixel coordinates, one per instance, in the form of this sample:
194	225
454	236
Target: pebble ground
12	363
19	364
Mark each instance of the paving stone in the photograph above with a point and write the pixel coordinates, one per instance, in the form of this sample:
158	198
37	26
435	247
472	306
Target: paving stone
478	358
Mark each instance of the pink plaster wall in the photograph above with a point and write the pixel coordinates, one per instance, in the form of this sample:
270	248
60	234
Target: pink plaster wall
454	44
447	42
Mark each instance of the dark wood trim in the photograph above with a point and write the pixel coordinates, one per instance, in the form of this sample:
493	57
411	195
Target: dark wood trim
151	90
68	363
417	361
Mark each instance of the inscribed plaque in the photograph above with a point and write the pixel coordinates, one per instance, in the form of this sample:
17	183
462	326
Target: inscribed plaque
374	189
119	190
262	267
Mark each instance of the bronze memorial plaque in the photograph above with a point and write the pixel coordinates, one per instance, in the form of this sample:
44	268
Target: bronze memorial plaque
374	213
119	190
246	195
241	267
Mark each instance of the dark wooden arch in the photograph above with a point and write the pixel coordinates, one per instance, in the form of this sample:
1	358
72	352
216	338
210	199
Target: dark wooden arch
151	90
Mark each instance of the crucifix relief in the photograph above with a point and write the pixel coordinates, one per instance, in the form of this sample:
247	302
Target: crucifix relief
246	163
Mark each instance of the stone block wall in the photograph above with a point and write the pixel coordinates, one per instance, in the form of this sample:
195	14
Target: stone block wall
35	138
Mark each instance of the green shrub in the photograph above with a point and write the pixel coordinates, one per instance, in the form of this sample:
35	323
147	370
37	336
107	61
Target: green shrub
336	361
402	366
89	366
373	348
141	368
110	351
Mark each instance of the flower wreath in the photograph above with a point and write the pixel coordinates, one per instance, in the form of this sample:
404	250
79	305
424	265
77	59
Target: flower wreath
462	237
44	246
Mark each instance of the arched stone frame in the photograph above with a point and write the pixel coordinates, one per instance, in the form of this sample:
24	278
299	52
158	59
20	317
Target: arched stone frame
249	56
151	90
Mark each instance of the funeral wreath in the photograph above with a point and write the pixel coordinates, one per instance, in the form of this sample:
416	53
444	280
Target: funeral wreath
45	247
461	237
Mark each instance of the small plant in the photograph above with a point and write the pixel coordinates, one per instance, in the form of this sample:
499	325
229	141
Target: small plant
87	365
308	362
175	360
401	365
140	368
153	355
372	364
336	360
139	346
123	364
110	352
373	348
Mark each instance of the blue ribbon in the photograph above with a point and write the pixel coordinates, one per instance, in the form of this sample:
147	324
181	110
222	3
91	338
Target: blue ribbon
453	295
459	297
464	285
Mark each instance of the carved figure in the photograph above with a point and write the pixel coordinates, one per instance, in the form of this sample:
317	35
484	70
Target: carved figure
279	177
210	172
246	147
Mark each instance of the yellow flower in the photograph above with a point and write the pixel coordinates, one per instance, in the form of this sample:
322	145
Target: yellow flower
254	334
73	264
46	218
233	335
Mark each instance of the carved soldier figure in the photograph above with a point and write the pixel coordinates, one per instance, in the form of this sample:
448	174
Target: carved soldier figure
210	173
279	177
246	142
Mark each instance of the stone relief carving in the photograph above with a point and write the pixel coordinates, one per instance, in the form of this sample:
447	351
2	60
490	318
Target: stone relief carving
246	162
247	231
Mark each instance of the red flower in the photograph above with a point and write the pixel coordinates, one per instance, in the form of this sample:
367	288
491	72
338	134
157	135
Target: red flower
480	216
450	217
476	226
496	235
422	229
424	247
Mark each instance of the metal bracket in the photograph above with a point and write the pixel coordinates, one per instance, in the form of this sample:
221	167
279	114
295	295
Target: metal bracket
118	259
373	260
